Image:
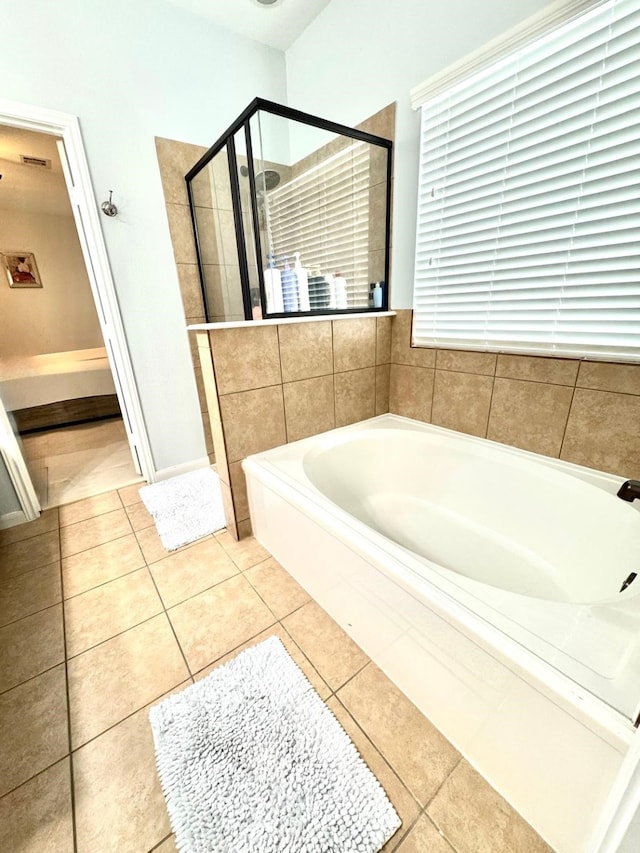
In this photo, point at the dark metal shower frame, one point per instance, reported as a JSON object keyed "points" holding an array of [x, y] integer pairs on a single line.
{"points": [[227, 138]]}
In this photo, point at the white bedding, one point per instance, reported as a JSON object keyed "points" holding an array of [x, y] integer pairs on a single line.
{"points": [[41, 379]]}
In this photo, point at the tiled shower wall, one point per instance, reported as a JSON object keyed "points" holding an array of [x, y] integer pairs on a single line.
{"points": [[269, 385], [586, 412]]}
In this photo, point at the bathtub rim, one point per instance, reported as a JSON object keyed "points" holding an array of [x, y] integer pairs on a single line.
{"points": [[587, 708]]}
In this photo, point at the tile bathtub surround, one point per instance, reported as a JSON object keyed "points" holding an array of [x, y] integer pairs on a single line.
{"points": [[581, 411], [136, 633], [269, 385]]}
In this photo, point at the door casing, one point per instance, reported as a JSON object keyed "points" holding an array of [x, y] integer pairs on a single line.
{"points": [[86, 216]]}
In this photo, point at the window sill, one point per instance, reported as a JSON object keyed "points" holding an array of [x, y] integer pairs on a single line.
{"points": [[251, 324]]}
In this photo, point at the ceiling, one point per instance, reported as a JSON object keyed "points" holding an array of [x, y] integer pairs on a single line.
{"points": [[31, 188], [277, 26]]}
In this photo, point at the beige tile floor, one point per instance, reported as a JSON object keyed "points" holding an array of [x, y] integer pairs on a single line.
{"points": [[71, 463], [98, 621]]}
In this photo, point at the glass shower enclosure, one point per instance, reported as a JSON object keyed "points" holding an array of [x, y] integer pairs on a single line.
{"points": [[291, 217]]}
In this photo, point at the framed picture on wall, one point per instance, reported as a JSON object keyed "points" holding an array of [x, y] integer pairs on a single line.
{"points": [[20, 269]]}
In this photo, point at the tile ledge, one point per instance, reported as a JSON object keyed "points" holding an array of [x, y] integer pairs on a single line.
{"points": [[250, 324]]}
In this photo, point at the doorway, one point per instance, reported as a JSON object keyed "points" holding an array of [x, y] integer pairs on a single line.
{"points": [[103, 444]]}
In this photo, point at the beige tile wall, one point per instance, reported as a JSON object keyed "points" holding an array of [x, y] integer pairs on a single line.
{"points": [[269, 385], [382, 124], [175, 159], [584, 412]]}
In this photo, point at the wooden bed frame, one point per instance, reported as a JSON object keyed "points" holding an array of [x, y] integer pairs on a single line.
{"points": [[66, 413], [58, 389]]}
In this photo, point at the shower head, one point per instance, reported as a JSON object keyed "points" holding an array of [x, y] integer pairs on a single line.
{"points": [[267, 180]]}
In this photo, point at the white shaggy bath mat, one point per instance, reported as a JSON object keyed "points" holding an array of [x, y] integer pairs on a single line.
{"points": [[185, 508], [251, 760]]}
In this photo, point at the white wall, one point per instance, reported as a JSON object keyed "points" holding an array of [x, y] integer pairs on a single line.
{"points": [[357, 57], [59, 316], [131, 71]]}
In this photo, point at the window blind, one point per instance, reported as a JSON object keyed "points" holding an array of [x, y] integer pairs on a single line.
{"points": [[324, 214], [529, 197]]}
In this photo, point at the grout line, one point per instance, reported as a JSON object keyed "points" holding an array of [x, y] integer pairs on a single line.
{"points": [[173, 630], [184, 657], [407, 830], [28, 537], [95, 514], [437, 791], [279, 345], [284, 417], [68, 697], [128, 716], [234, 649], [32, 677], [533, 381], [92, 547], [118, 634], [102, 583], [160, 843], [6, 577], [279, 619], [432, 370], [33, 613], [566, 422], [375, 374], [284, 402], [351, 677], [380, 753], [493, 385], [119, 509], [333, 374], [305, 656], [35, 775], [166, 553]]}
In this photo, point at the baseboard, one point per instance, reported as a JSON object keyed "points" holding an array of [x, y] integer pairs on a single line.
{"points": [[11, 519], [176, 470]]}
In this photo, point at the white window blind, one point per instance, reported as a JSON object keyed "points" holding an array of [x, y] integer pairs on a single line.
{"points": [[529, 198], [324, 214]]}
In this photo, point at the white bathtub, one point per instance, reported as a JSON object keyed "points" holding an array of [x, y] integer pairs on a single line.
{"points": [[485, 581]]}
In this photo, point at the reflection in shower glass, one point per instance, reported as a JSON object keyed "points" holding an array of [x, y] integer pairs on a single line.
{"points": [[318, 235], [311, 214], [217, 246]]}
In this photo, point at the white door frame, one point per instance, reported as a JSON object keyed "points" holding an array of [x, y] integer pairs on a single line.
{"points": [[85, 211], [18, 474]]}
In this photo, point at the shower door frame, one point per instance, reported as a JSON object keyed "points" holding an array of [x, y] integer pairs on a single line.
{"points": [[242, 123]]}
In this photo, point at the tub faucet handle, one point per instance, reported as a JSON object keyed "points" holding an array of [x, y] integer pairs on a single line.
{"points": [[630, 490]]}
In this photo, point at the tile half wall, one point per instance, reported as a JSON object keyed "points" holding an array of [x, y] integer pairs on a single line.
{"points": [[585, 412], [270, 385]]}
